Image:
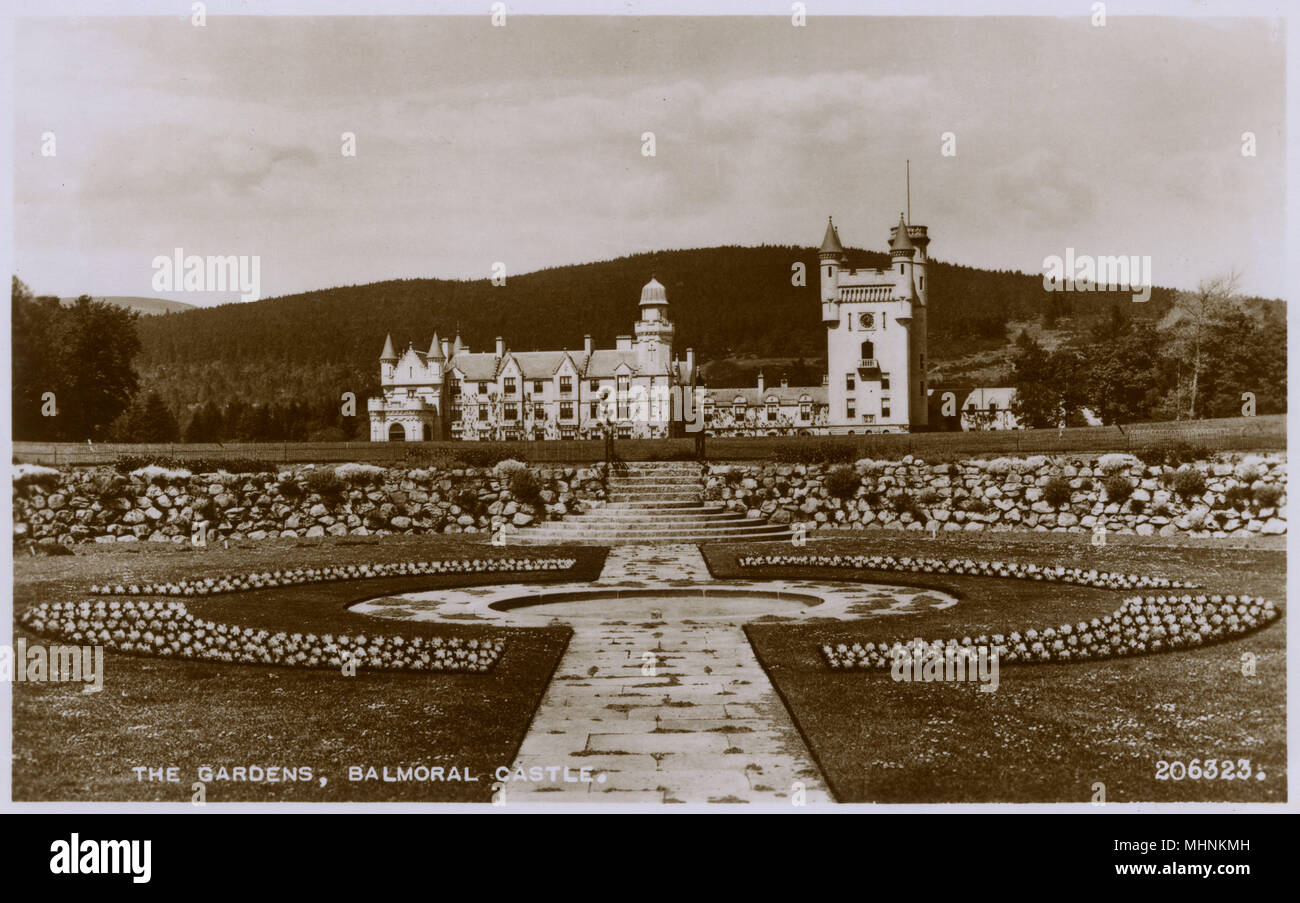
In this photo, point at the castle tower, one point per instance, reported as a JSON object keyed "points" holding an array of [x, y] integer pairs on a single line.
{"points": [[831, 256], [654, 331], [907, 251], [876, 335]]}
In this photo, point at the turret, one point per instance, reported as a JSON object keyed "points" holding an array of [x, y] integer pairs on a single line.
{"points": [[830, 257], [387, 360], [654, 331]]}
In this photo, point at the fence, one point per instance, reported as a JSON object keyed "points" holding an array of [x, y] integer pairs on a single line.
{"points": [[1264, 433]]}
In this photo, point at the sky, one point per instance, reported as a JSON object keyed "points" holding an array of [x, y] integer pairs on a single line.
{"points": [[523, 144]]}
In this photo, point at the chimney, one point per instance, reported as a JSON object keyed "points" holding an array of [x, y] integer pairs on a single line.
{"points": [[446, 349], [586, 345], [760, 382], [785, 382], [623, 343], [501, 347], [690, 364]]}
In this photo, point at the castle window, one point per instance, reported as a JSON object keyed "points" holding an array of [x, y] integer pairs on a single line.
{"points": [[482, 412], [771, 412], [539, 388], [510, 385], [624, 383], [512, 411], [539, 412], [884, 407], [884, 381], [566, 410], [482, 388], [455, 388], [566, 385], [595, 410], [593, 385], [850, 410], [805, 409], [849, 382]]}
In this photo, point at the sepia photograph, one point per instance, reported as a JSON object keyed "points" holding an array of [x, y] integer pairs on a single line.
{"points": [[604, 408]]}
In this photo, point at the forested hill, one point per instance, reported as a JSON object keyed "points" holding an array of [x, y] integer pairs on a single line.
{"points": [[727, 302]]}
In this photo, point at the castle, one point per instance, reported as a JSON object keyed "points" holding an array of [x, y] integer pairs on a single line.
{"points": [[451, 392], [875, 382]]}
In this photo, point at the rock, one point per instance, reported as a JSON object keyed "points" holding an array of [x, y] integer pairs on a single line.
{"points": [[400, 523], [521, 519], [1274, 526], [316, 530]]}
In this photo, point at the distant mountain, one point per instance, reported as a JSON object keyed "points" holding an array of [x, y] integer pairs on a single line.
{"points": [[148, 307], [736, 306]]}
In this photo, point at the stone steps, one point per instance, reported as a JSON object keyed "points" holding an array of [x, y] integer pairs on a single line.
{"points": [[656, 503]]}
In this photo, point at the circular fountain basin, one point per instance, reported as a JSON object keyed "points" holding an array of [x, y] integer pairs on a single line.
{"points": [[660, 605], [737, 602]]}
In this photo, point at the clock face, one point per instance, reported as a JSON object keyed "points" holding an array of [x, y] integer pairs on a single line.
{"points": [[867, 321]]}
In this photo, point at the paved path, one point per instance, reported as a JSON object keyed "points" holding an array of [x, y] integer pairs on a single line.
{"points": [[706, 727], [662, 699]]}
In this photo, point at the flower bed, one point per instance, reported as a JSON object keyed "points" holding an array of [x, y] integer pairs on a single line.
{"points": [[167, 629], [1009, 569], [1142, 625], [234, 583]]}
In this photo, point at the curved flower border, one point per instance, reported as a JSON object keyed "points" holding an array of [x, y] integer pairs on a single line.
{"points": [[1140, 626], [235, 583], [1010, 569], [168, 630]]}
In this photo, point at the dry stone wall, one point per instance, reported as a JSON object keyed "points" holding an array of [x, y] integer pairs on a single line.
{"points": [[160, 505], [1230, 496]]}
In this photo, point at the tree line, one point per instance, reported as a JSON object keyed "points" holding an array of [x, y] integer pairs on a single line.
{"points": [[1212, 354]]}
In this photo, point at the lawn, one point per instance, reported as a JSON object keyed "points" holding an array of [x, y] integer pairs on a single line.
{"points": [[153, 712], [1050, 733]]}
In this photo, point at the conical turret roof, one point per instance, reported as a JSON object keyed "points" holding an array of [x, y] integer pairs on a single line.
{"points": [[901, 240], [435, 349], [388, 353], [831, 243]]}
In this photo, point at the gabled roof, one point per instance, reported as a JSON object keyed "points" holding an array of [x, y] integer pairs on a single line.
{"points": [[785, 395], [607, 362], [831, 243], [477, 367], [540, 364]]}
